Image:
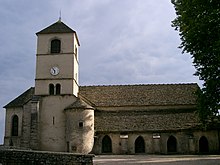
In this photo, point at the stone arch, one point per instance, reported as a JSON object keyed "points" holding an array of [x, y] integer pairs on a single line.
{"points": [[203, 145], [171, 144], [139, 145], [14, 125], [106, 144]]}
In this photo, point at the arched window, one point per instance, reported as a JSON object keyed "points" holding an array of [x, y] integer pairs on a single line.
{"points": [[203, 145], [14, 128], [139, 145], [58, 88], [106, 144], [55, 46], [51, 89], [171, 144]]}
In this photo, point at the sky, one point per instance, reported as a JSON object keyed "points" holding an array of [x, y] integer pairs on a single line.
{"points": [[122, 42]]}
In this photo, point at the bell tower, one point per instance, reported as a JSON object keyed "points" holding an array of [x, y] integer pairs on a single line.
{"points": [[57, 61]]}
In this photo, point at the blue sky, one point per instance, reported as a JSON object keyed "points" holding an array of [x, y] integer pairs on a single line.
{"points": [[122, 42]]}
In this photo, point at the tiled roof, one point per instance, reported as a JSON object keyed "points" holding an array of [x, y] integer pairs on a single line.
{"points": [[79, 104], [164, 120], [57, 27], [139, 95], [22, 99], [126, 95]]}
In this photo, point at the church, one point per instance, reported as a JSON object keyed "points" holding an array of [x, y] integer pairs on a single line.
{"points": [[60, 115]]}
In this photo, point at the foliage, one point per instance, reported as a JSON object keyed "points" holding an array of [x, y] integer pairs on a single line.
{"points": [[198, 23]]}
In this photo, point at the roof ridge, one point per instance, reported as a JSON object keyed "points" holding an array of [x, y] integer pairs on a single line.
{"points": [[153, 84]]}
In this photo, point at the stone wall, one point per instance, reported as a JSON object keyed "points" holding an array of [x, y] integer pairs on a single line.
{"points": [[19, 157], [187, 142]]}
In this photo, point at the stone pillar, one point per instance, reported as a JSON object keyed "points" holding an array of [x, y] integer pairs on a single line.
{"points": [[156, 143], [26, 121], [124, 144], [34, 123], [191, 145]]}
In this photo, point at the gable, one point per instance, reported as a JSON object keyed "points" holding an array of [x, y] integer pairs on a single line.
{"points": [[22, 99]]}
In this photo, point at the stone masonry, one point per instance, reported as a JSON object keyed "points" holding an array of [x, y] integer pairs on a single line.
{"points": [[20, 157]]}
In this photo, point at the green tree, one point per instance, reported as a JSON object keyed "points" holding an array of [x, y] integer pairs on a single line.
{"points": [[198, 23]]}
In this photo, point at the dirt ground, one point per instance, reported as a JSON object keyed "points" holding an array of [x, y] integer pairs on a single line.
{"points": [[157, 159]]}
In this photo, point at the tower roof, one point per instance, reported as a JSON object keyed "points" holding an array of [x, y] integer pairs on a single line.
{"points": [[57, 27]]}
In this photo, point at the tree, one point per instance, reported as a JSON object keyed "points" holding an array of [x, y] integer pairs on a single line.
{"points": [[198, 23]]}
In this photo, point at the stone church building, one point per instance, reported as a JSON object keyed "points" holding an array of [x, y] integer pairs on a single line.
{"points": [[59, 115]]}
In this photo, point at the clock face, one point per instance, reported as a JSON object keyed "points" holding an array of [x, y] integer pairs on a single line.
{"points": [[54, 71]]}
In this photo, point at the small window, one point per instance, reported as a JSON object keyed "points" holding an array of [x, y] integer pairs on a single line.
{"points": [[55, 46], [51, 89], [53, 120], [81, 124], [76, 51], [14, 131], [58, 88]]}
